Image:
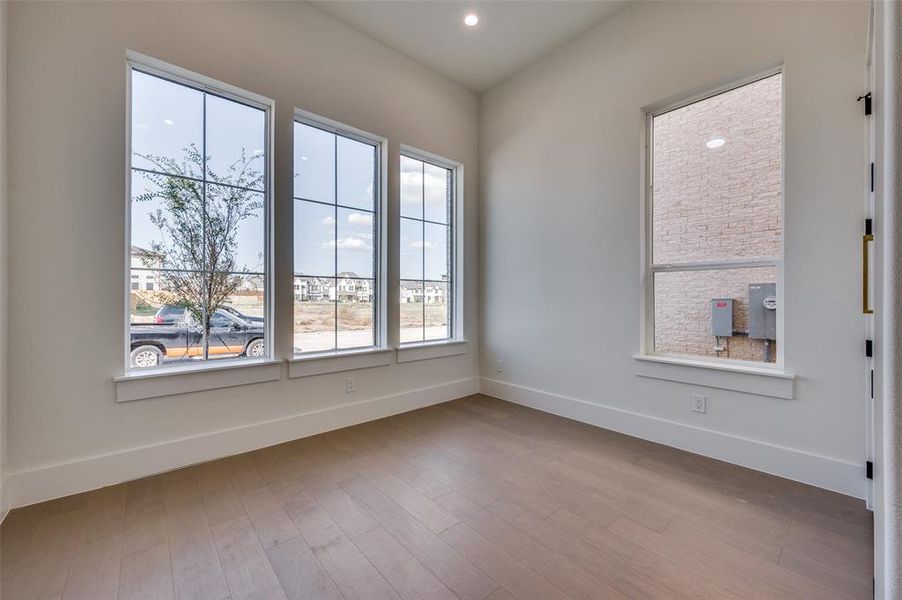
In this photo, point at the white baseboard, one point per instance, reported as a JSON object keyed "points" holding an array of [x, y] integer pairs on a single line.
{"points": [[821, 471], [46, 483]]}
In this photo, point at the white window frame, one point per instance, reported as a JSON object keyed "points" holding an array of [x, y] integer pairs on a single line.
{"points": [[455, 343], [330, 361], [128, 384], [662, 365]]}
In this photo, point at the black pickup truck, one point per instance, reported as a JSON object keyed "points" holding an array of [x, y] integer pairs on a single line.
{"points": [[176, 335]]}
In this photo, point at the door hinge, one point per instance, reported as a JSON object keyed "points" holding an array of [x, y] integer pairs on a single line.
{"points": [[869, 348], [867, 103], [869, 468], [866, 240]]}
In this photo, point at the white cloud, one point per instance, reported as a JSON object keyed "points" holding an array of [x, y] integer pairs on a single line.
{"points": [[433, 180], [436, 180], [411, 179], [328, 221], [348, 243], [360, 219]]}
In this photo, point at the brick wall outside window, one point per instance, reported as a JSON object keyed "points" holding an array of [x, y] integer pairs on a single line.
{"points": [[720, 204]]}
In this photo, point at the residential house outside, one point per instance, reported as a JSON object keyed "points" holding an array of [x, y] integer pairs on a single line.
{"points": [[347, 288], [143, 264]]}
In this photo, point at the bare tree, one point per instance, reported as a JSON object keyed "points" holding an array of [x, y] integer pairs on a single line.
{"points": [[198, 223]]}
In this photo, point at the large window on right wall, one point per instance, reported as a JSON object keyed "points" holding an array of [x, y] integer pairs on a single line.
{"points": [[715, 225], [427, 249]]}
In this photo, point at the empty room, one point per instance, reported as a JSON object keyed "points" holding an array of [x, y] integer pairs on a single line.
{"points": [[450, 299]]}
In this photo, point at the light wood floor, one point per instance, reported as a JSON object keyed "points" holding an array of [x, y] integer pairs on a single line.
{"points": [[472, 499]]}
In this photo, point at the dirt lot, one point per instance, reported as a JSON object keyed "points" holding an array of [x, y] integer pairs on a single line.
{"points": [[314, 324], [320, 316]]}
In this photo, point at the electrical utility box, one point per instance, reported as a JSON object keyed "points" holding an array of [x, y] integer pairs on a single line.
{"points": [[722, 317], [762, 311]]}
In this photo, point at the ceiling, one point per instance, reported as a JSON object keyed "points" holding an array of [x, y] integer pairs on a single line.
{"points": [[510, 35]]}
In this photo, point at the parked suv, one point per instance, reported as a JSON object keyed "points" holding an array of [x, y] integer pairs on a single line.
{"points": [[176, 335]]}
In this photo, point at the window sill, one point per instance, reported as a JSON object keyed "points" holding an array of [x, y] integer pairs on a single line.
{"points": [[334, 362], [762, 381], [183, 380], [428, 350]]}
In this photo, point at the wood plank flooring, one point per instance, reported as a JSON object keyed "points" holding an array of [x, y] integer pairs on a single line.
{"points": [[466, 500]]}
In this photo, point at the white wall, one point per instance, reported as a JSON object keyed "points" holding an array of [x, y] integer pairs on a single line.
{"points": [[3, 256], [67, 125], [560, 191]]}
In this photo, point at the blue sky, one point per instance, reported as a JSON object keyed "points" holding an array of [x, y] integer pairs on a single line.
{"points": [[424, 195], [168, 117], [325, 234]]}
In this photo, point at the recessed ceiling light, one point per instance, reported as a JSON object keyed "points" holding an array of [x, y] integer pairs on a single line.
{"points": [[715, 143], [471, 20]]}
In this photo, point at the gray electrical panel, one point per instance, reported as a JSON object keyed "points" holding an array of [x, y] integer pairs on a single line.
{"points": [[762, 311], [722, 317]]}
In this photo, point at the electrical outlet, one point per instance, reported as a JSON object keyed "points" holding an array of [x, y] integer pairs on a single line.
{"points": [[699, 403], [499, 366], [349, 385]]}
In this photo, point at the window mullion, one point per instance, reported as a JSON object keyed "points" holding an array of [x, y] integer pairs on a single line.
{"points": [[199, 180], [335, 255], [713, 266], [452, 254], [377, 251], [206, 291], [423, 226]]}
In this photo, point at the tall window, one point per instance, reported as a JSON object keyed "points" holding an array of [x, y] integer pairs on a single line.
{"points": [[198, 214], [715, 224], [427, 250], [337, 261]]}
